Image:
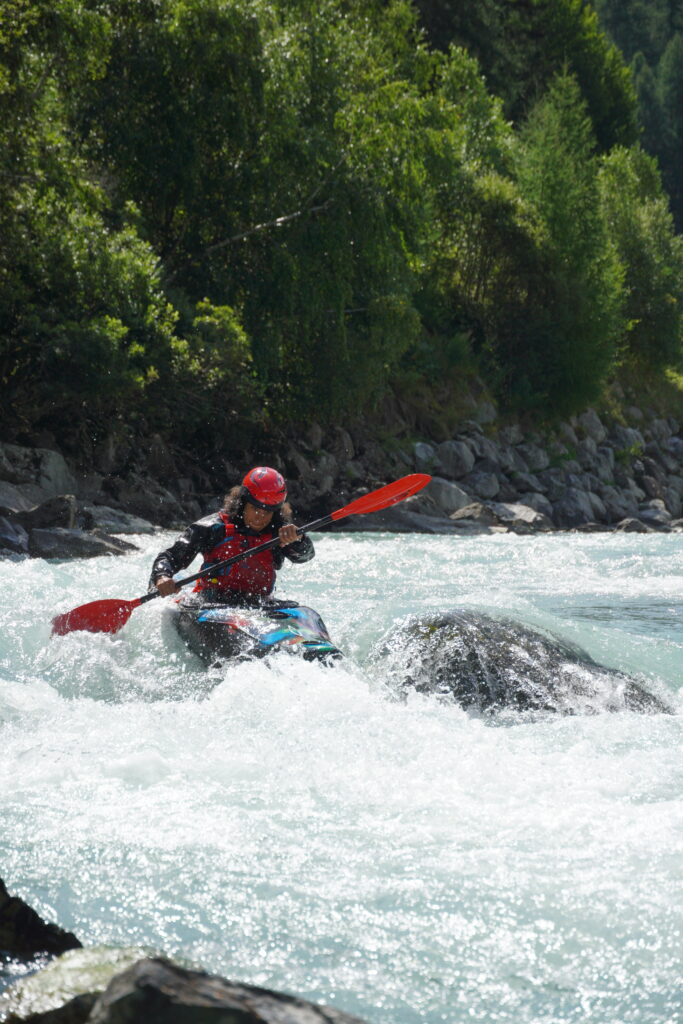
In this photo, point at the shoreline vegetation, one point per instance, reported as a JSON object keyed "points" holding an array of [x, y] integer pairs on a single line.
{"points": [[222, 222]]}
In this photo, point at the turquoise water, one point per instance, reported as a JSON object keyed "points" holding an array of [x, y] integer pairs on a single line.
{"points": [[290, 825]]}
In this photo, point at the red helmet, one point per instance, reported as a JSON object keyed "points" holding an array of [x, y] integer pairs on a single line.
{"points": [[265, 487]]}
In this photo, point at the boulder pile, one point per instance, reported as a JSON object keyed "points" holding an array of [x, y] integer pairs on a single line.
{"points": [[587, 474]]}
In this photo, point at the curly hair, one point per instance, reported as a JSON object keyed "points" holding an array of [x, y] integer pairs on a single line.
{"points": [[238, 496]]}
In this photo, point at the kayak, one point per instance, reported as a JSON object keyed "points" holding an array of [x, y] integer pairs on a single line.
{"points": [[219, 632]]}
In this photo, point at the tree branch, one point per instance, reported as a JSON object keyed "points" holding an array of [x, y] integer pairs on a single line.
{"points": [[277, 223]]}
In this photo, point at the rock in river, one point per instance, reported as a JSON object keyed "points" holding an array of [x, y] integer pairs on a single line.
{"points": [[490, 664]]}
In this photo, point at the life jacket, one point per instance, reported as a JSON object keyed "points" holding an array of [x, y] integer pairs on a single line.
{"points": [[254, 575]]}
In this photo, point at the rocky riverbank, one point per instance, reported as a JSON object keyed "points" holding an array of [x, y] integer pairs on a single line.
{"points": [[588, 473]]}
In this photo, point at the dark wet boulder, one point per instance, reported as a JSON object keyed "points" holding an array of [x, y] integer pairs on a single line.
{"points": [[24, 934], [13, 536], [57, 511], [59, 542], [111, 520], [490, 664], [158, 991]]}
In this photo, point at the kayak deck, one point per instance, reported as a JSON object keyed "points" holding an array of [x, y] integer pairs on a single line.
{"points": [[219, 632]]}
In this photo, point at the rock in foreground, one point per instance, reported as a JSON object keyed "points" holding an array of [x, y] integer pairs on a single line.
{"points": [[24, 934], [157, 991]]}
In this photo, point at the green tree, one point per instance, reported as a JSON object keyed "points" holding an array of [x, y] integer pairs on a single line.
{"points": [[576, 321], [670, 88], [642, 229], [523, 44]]}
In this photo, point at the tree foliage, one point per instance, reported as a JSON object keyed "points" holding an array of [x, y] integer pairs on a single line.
{"points": [[222, 216]]}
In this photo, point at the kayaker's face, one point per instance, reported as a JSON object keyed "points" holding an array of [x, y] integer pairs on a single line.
{"points": [[256, 518]]}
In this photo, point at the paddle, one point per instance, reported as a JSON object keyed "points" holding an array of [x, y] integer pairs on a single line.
{"points": [[110, 615]]}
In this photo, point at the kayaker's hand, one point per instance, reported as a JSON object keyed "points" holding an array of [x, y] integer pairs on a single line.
{"points": [[165, 585], [288, 535]]}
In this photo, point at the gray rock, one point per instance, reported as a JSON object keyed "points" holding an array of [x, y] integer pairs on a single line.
{"points": [[447, 496], [653, 469], [672, 500], [660, 430], [13, 537], [425, 457], [627, 439], [65, 989], [573, 508], [521, 518], [599, 510], [653, 488], [111, 520], [146, 498], [484, 485], [586, 452], [454, 459], [568, 434], [655, 513], [61, 543], [591, 424], [507, 490], [618, 504], [155, 990], [537, 501], [675, 483], [57, 511], [509, 460], [482, 448], [489, 664], [659, 454], [634, 413], [19, 497], [41, 467], [675, 447], [519, 464], [477, 512], [603, 467], [528, 482], [342, 446], [553, 484], [630, 525]]}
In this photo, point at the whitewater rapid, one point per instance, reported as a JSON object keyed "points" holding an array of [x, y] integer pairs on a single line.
{"points": [[293, 826]]}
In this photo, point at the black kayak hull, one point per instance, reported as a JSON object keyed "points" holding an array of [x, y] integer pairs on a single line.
{"points": [[218, 633]]}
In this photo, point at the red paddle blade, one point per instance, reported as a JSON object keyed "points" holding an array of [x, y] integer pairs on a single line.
{"points": [[383, 497], [97, 617]]}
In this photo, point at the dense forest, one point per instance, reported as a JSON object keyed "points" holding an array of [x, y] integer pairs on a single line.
{"points": [[229, 216]]}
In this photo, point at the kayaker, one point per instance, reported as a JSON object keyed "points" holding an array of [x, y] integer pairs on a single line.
{"points": [[253, 512]]}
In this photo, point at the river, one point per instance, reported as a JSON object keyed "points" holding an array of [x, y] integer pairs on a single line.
{"points": [[290, 825]]}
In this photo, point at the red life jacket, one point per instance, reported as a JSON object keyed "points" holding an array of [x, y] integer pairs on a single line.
{"points": [[254, 575]]}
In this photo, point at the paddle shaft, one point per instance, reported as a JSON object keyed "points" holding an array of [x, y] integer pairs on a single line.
{"points": [[225, 562]]}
